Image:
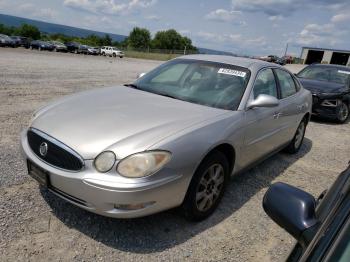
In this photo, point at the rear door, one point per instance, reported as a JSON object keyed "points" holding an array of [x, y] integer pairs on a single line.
{"points": [[291, 104]]}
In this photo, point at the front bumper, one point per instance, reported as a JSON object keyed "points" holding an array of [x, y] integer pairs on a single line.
{"points": [[325, 106], [110, 195]]}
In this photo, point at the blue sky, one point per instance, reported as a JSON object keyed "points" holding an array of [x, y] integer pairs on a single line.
{"points": [[253, 27]]}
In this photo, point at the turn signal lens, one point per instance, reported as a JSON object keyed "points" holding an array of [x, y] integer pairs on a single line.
{"points": [[104, 161]]}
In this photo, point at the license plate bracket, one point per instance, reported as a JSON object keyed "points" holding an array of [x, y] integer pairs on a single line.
{"points": [[38, 174]]}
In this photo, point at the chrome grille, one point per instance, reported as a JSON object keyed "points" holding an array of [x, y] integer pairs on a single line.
{"points": [[53, 151]]}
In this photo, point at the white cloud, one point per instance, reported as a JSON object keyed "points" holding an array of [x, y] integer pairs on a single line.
{"points": [[283, 7], [342, 17], [222, 15], [275, 18], [109, 7], [40, 13], [213, 37], [153, 17], [320, 35]]}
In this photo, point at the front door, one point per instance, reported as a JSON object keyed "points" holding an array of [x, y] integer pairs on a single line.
{"points": [[262, 131]]}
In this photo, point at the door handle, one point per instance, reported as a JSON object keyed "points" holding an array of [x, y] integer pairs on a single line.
{"points": [[301, 107], [277, 115]]}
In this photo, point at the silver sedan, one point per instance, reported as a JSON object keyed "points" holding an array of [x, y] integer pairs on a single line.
{"points": [[172, 138]]}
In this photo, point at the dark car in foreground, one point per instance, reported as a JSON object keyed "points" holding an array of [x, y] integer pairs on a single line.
{"points": [[321, 227], [41, 45], [330, 88]]}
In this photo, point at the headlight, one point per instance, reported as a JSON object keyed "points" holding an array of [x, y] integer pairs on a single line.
{"points": [[143, 164], [105, 161]]}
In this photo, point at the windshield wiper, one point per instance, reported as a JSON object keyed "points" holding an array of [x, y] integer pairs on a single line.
{"points": [[167, 95], [132, 86]]}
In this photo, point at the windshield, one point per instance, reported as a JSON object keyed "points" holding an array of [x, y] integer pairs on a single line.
{"points": [[201, 82], [325, 74]]}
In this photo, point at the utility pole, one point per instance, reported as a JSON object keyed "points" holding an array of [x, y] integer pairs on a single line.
{"points": [[185, 50], [285, 51]]}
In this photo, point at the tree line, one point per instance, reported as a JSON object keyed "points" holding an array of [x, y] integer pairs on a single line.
{"points": [[139, 38], [169, 39]]}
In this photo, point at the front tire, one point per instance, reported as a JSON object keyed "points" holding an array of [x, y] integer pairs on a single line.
{"points": [[298, 138], [207, 187], [342, 112]]}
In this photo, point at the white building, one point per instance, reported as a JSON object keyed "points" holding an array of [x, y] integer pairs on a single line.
{"points": [[323, 55]]}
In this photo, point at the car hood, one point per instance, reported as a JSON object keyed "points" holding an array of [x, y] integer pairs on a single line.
{"points": [[318, 87], [121, 119]]}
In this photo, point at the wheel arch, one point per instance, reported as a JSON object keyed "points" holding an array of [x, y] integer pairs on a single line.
{"points": [[225, 148], [307, 117]]}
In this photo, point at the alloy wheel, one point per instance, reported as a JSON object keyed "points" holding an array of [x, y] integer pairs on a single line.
{"points": [[210, 187], [343, 112]]}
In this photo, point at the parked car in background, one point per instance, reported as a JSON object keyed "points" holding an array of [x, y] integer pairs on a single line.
{"points": [[288, 59], [83, 49], [5, 40], [17, 40], [269, 58], [321, 227], [280, 61], [93, 50], [41, 45], [58, 46], [72, 47], [198, 120], [330, 88], [111, 51]]}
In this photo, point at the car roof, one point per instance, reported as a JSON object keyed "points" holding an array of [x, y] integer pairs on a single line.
{"points": [[331, 66], [232, 60]]}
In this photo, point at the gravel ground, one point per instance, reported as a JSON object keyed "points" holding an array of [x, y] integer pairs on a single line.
{"points": [[36, 226]]}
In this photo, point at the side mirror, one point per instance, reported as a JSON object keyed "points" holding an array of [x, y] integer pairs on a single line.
{"points": [[264, 101], [140, 75], [292, 209]]}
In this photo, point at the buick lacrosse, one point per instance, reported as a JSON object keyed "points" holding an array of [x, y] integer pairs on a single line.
{"points": [[172, 138]]}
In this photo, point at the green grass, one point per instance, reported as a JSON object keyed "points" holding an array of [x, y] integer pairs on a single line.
{"points": [[150, 56]]}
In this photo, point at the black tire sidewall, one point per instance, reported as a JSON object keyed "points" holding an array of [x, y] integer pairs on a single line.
{"points": [[291, 147], [343, 121], [189, 205]]}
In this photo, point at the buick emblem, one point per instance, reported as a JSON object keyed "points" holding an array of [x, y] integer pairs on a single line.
{"points": [[43, 149]]}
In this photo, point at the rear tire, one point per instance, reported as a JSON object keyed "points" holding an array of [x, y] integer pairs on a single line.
{"points": [[298, 138], [342, 112], [114, 55], [207, 187]]}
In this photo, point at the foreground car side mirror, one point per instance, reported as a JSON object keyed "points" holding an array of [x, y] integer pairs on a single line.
{"points": [[292, 209], [263, 101], [140, 75]]}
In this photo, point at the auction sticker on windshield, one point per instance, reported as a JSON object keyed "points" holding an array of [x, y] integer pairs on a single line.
{"points": [[227, 71]]}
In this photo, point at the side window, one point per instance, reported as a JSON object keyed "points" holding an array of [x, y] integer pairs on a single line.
{"points": [[265, 84], [286, 82]]}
